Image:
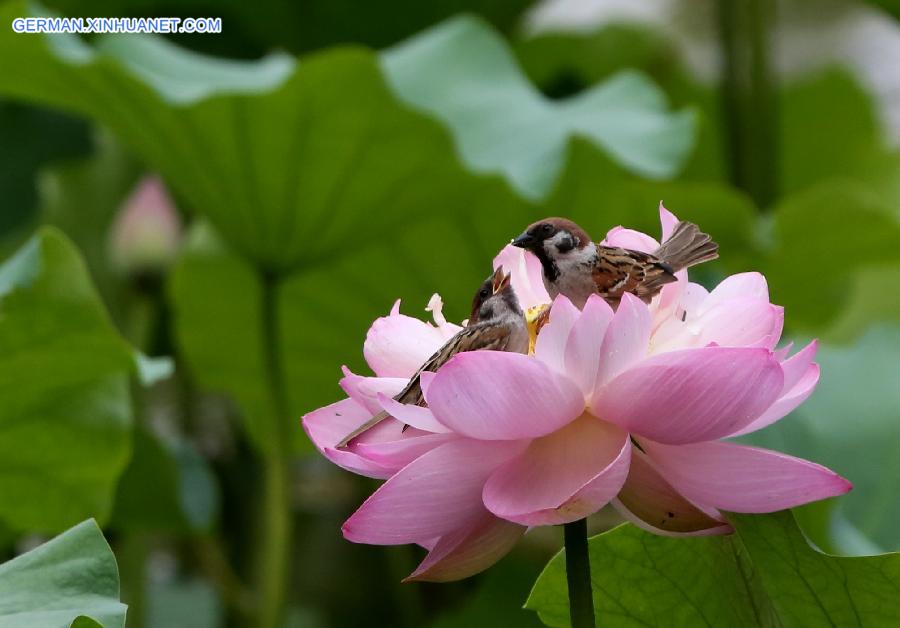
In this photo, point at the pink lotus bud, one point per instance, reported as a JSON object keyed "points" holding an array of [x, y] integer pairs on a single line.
{"points": [[146, 233]]}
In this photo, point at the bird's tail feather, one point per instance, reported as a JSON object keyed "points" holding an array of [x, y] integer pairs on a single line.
{"points": [[686, 247], [365, 427]]}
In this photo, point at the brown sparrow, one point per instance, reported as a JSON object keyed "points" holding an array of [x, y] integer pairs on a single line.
{"points": [[576, 267], [496, 323]]}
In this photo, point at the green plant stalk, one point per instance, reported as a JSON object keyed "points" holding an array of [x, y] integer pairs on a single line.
{"points": [[578, 575], [749, 99], [276, 528]]}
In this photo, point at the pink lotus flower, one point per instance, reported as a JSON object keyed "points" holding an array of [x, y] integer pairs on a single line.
{"points": [[625, 407]]}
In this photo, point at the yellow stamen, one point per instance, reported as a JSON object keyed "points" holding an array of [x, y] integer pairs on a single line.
{"points": [[536, 317]]}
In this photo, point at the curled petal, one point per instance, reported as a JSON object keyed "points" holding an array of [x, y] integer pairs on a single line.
{"points": [[738, 478], [397, 345], [550, 347], [584, 345], [492, 395], [651, 503], [436, 494], [416, 416], [468, 551], [626, 339], [365, 390], [691, 395], [327, 426], [526, 276], [562, 477]]}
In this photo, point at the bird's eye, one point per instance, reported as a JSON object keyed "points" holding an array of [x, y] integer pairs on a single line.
{"points": [[547, 228], [484, 293]]}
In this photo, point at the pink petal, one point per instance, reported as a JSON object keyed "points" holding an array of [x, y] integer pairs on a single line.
{"points": [[691, 395], [397, 345], [801, 375], [583, 347], [436, 494], [550, 347], [562, 477], [668, 220], [738, 478], [630, 239], [525, 275], [626, 340], [502, 396], [651, 503], [326, 426], [787, 403], [396, 454], [740, 322], [364, 390], [416, 416], [797, 366], [468, 551], [741, 285]]}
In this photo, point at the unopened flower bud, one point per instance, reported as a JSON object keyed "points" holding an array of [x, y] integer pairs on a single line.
{"points": [[147, 231]]}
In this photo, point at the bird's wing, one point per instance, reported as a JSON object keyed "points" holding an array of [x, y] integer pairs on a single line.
{"points": [[472, 338], [619, 270]]}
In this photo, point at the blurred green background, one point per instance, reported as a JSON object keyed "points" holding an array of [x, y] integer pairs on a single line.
{"points": [[353, 153]]}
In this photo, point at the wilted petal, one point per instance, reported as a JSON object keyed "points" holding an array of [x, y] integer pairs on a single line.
{"points": [[738, 478], [562, 477], [651, 503], [550, 347], [416, 416], [583, 348], [397, 345], [525, 275], [626, 340], [502, 396], [327, 426], [691, 395], [436, 494], [469, 550]]}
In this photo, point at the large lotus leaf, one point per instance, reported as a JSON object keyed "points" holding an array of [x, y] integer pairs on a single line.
{"points": [[290, 161], [64, 402], [463, 72], [766, 574], [821, 238], [71, 580], [324, 311]]}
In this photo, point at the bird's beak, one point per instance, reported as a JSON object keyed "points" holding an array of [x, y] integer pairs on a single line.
{"points": [[524, 241]]}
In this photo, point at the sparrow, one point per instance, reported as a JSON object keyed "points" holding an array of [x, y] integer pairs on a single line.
{"points": [[496, 323], [576, 267]]}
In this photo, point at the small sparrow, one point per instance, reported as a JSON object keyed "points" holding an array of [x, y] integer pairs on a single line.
{"points": [[496, 323], [576, 267]]}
